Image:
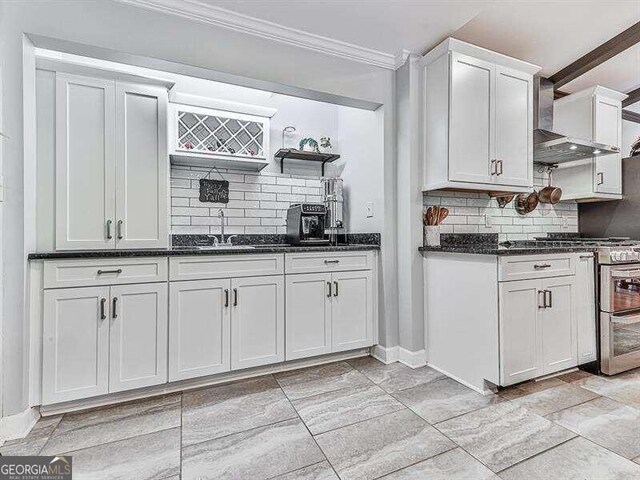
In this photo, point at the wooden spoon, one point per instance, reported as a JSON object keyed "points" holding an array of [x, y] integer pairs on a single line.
{"points": [[428, 217], [442, 215]]}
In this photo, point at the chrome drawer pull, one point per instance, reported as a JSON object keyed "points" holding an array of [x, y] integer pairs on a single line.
{"points": [[102, 272], [540, 267], [327, 262], [550, 304], [329, 285], [544, 299], [109, 236], [103, 314]]}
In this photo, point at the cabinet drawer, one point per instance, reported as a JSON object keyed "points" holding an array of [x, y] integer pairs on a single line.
{"points": [[89, 272], [524, 267], [224, 266], [328, 261]]}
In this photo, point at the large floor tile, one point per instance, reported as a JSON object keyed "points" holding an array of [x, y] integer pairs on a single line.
{"points": [[231, 408], [527, 388], [381, 445], [347, 406], [443, 399], [503, 434], [34, 441], [554, 399], [577, 459], [394, 376], [608, 423], [452, 465], [257, 454], [153, 456], [623, 388], [86, 429], [319, 471], [322, 379], [575, 376]]}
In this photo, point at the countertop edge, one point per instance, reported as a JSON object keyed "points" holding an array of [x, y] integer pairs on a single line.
{"points": [[79, 254], [501, 251]]}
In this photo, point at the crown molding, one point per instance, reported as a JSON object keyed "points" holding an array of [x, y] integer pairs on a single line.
{"points": [[221, 17]]}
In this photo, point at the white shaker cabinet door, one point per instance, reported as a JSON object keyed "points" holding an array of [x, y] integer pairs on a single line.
{"points": [[558, 325], [141, 185], [199, 328], [608, 130], [520, 343], [85, 163], [514, 128], [308, 315], [471, 138], [584, 305], [257, 321], [138, 346], [352, 310], [75, 344]]}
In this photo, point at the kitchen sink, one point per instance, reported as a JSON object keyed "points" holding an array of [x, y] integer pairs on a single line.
{"points": [[215, 247]]}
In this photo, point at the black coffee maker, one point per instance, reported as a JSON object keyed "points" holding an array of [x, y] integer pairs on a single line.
{"points": [[305, 224]]}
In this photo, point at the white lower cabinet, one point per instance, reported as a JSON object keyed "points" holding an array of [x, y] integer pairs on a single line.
{"points": [[138, 336], [538, 328], [75, 344], [199, 328], [308, 330], [100, 340], [585, 307], [257, 321], [329, 312]]}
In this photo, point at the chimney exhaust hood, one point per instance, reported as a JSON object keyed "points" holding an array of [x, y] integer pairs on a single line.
{"points": [[554, 148]]}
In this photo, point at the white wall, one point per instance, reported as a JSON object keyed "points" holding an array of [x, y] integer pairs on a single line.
{"points": [[124, 28], [630, 133]]}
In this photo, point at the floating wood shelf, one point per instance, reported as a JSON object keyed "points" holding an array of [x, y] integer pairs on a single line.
{"points": [[292, 153]]}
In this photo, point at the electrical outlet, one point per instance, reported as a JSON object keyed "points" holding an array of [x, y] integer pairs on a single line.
{"points": [[488, 221], [565, 222], [369, 209]]}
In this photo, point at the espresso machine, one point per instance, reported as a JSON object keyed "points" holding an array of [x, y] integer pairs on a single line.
{"points": [[306, 224], [332, 199]]}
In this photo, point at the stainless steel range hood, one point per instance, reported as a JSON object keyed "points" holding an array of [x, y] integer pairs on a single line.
{"points": [[551, 147]]}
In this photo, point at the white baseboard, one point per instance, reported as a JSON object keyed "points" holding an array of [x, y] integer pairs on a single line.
{"points": [[384, 354], [18, 425], [412, 359]]}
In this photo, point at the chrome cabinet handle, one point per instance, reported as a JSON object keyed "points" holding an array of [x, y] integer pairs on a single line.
{"points": [[336, 292], [494, 167], [600, 178], [119, 229], [544, 305], [102, 272], [550, 303], [540, 267], [103, 314], [327, 262], [114, 306], [109, 236], [329, 285], [235, 297], [586, 256], [500, 164], [226, 297]]}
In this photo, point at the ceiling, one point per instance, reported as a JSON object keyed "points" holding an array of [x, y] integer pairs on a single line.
{"points": [[548, 33]]}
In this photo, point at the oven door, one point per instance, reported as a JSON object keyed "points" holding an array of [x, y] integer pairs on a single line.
{"points": [[620, 289], [620, 342]]}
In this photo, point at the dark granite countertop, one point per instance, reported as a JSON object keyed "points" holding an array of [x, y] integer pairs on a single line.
{"points": [[190, 250], [487, 244]]}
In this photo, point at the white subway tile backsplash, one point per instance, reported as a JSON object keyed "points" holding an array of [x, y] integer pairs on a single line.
{"points": [[258, 202]]}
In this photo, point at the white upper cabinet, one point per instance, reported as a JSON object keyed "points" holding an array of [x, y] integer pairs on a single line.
{"points": [[595, 114], [477, 119], [141, 166], [111, 164], [85, 162]]}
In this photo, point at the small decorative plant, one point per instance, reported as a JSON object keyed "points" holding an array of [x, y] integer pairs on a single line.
{"points": [[309, 145], [325, 144]]}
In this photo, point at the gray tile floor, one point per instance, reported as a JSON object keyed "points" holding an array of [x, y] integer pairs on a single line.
{"points": [[358, 420]]}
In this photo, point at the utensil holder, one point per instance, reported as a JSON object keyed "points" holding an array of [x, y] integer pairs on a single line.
{"points": [[432, 235]]}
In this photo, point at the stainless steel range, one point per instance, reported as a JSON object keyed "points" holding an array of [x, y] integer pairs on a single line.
{"points": [[619, 273]]}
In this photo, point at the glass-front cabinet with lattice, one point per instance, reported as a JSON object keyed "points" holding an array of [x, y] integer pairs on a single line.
{"points": [[207, 137]]}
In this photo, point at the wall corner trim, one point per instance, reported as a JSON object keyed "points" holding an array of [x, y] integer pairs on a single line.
{"points": [[412, 359], [18, 425], [386, 355]]}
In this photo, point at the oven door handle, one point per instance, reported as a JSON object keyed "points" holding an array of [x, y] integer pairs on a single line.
{"points": [[635, 273], [626, 319]]}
